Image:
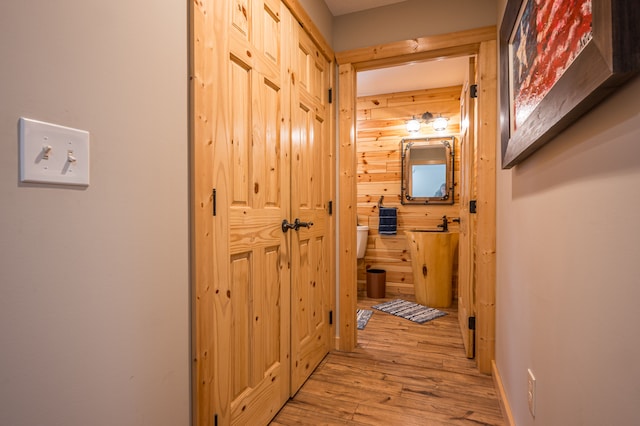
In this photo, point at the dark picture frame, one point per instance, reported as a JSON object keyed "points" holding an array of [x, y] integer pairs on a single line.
{"points": [[606, 61]]}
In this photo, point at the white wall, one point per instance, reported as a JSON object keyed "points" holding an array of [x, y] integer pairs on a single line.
{"points": [[94, 287], [321, 17], [410, 19], [567, 288]]}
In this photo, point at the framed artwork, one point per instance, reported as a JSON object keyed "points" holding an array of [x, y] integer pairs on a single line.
{"points": [[558, 59]]}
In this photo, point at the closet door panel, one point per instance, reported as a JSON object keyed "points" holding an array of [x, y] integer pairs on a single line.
{"points": [[251, 313], [310, 193]]}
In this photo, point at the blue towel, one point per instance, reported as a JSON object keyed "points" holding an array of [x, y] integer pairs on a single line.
{"points": [[388, 220]]}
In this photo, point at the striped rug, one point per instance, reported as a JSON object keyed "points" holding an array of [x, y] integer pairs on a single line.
{"points": [[409, 310], [363, 318]]}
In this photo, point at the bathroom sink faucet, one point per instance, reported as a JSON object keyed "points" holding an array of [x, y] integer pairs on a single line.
{"points": [[445, 224]]}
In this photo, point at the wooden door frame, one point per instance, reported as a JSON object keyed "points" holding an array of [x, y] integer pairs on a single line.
{"points": [[480, 42]]}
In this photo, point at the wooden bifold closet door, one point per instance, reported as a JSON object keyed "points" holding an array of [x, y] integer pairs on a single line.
{"points": [[260, 157]]}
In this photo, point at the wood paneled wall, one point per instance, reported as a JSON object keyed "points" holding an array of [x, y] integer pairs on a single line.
{"points": [[380, 128]]}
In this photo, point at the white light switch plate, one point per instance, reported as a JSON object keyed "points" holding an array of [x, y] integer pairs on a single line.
{"points": [[53, 154]]}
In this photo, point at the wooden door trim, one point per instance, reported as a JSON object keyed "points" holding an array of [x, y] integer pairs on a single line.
{"points": [[464, 43], [461, 43], [347, 209], [206, 19], [305, 21], [486, 205]]}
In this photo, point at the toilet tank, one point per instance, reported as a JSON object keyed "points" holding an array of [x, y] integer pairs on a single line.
{"points": [[361, 240]]}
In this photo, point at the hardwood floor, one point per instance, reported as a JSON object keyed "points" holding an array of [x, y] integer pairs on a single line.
{"points": [[401, 373]]}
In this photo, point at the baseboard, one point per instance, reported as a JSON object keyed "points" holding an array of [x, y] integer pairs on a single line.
{"points": [[502, 396]]}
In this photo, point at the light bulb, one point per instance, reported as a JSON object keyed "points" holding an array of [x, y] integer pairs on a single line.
{"points": [[440, 124], [413, 125]]}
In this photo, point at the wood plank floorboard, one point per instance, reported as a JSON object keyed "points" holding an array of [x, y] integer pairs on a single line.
{"points": [[401, 373]]}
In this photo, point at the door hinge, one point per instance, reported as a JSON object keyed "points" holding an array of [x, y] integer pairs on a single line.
{"points": [[331, 95], [472, 206], [213, 195], [473, 91], [330, 317], [472, 323], [330, 207]]}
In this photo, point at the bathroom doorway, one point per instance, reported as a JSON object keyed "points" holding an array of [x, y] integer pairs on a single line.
{"points": [[387, 100], [480, 45]]}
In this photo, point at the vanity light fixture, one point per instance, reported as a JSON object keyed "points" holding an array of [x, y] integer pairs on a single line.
{"points": [[439, 124]]}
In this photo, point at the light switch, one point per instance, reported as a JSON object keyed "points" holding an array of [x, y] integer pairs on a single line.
{"points": [[53, 154]]}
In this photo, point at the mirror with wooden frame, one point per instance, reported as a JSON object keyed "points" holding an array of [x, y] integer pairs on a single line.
{"points": [[427, 170]]}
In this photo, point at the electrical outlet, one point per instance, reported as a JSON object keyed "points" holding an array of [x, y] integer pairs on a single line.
{"points": [[531, 392]]}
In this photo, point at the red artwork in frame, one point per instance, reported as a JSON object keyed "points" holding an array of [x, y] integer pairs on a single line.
{"points": [[549, 35], [559, 58]]}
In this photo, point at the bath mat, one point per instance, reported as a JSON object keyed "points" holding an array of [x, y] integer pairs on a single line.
{"points": [[409, 310], [363, 317]]}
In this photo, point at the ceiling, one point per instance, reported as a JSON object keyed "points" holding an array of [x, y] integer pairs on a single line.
{"points": [[342, 7], [416, 76]]}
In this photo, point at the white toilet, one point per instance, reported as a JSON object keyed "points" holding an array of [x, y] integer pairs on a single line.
{"points": [[361, 240]]}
